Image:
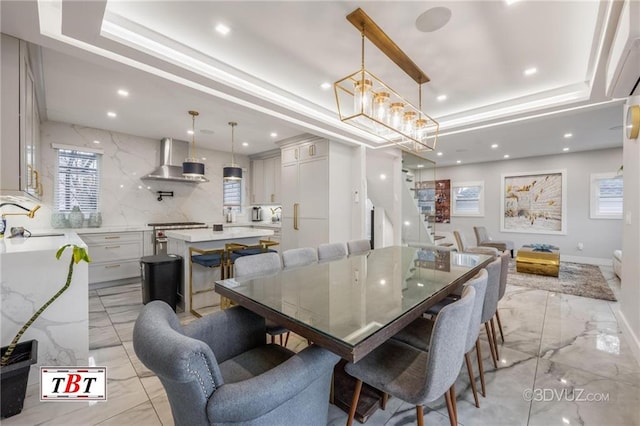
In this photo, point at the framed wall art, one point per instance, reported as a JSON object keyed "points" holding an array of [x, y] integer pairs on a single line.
{"points": [[534, 202]]}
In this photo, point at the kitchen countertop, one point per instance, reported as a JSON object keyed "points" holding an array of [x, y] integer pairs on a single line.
{"points": [[269, 224], [40, 241], [199, 235]]}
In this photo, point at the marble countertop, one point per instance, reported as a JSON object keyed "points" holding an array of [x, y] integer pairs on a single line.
{"points": [[200, 235], [40, 241], [275, 225]]}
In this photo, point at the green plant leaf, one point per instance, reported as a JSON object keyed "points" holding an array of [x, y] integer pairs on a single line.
{"points": [[60, 250]]}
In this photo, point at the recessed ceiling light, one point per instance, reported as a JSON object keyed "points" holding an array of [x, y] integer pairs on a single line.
{"points": [[204, 158], [189, 132], [442, 98], [112, 114], [274, 135], [530, 71], [458, 161], [565, 149], [123, 93], [494, 146], [510, 2], [420, 166], [568, 135], [96, 141], [223, 29], [245, 143], [439, 154], [325, 86], [383, 176], [505, 156]]}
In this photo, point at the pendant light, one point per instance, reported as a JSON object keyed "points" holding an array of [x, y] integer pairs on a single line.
{"points": [[192, 168], [232, 172]]}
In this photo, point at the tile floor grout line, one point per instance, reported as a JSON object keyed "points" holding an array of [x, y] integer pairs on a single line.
{"points": [[535, 372]]}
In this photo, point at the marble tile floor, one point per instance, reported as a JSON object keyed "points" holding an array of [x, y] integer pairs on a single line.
{"points": [[564, 362]]}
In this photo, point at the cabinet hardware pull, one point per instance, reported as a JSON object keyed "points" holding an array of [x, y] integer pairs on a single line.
{"points": [[295, 216], [272, 197], [111, 247], [112, 266], [113, 237], [295, 151], [36, 184], [40, 189]]}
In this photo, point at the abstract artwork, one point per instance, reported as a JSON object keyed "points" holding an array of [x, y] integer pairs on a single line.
{"points": [[534, 202]]}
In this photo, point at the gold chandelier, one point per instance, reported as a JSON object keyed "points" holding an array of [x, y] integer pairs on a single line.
{"points": [[366, 102]]}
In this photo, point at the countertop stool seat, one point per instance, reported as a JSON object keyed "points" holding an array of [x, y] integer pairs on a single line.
{"points": [[213, 258]]}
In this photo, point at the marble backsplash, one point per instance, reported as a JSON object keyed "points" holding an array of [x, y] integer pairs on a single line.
{"points": [[126, 200]]}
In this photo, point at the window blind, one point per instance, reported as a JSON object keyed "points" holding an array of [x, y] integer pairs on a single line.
{"points": [[232, 194], [77, 181], [610, 197]]}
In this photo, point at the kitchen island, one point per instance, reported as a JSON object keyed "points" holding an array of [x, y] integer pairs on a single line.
{"points": [[31, 274], [179, 242]]}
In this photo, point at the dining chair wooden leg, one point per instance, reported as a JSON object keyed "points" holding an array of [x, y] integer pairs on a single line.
{"points": [[354, 402], [500, 326], [490, 339], [420, 414], [447, 398], [481, 367], [385, 398], [472, 378], [495, 339], [286, 340], [454, 403], [273, 338], [280, 338]]}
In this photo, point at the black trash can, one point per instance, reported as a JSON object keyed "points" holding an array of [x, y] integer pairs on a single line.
{"points": [[161, 278]]}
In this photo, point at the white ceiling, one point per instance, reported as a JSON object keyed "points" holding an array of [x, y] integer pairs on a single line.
{"points": [[266, 73]]}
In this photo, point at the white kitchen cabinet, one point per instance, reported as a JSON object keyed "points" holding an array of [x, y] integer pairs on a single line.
{"points": [[315, 192], [115, 256], [265, 181], [20, 129]]}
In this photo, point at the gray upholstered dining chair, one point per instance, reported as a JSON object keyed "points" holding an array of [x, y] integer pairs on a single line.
{"points": [[217, 370], [358, 246], [416, 376], [418, 333], [490, 307], [260, 264], [484, 240], [464, 247], [504, 273], [299, 257], [331, 251]]}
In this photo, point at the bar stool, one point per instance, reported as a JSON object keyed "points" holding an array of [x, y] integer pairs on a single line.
{"points": [[213, 258]]}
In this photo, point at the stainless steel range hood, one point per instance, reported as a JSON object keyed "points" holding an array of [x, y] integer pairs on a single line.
{"points": [[172, 151]]}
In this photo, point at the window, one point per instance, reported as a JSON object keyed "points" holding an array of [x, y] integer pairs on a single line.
{"points": [[232, 194], [468, 198], [606, 196], [77, 180]]}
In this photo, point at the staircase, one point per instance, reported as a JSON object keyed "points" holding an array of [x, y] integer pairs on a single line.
{"points": [[416, 232]]}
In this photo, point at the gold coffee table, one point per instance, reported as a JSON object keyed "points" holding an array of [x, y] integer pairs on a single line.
{"points": [[533, 260]]}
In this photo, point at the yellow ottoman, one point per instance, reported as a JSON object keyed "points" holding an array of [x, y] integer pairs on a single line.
{"points": [[531, 261]]}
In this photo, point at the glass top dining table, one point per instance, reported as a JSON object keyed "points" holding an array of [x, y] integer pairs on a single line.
{"points": [[350, 306]]}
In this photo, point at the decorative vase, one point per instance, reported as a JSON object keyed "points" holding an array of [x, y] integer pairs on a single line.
{"points": [[76, 218], [59, 220], [14, 377], [95, 220]]}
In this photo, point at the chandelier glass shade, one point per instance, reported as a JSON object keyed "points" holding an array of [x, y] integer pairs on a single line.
{"points": [[366, 102], [191, 167], [233, 171]]}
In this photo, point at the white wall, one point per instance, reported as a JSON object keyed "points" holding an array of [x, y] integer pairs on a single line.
{"points": [[599, 236], [629, 314], [125, 199], [384, 185]]}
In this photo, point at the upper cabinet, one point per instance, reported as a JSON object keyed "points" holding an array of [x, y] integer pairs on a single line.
{"points": [[265, 181], [20, 130]]}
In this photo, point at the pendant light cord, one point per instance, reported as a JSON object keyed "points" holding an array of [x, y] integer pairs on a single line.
{"points": [[233, 124]]}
